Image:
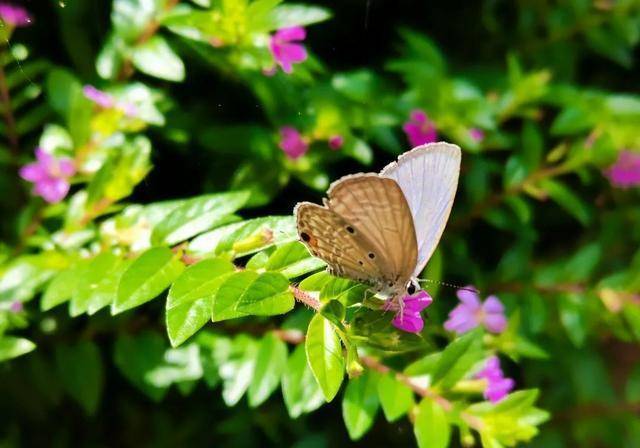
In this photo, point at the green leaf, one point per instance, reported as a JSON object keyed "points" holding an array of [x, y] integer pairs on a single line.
{"points": [[81, 371], [156, 58], [191, 297], [91, 275], [266, 296], [270, 365], [360, 404], [22, 279], [229, 293], [567, 199], [247, 237], [146, 278], [60, 289], [293, 260], [632, 388], [12, 347], [180, 366], [106, 290], [431, 427], [395, 397], [296, 15], [457, 358], [572, 316], [324, 353], [197, 215], [299, 388], [136, 356], [237, 370]]}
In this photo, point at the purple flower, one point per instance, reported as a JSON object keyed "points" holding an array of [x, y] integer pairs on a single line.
{"points": [[102, 99], [292, 143], [284, 49], [408, 317], [625, 172], [420, 129], [472, 312], [497, 385], [14, 16], [50, 176], [16, 306], [336, 142], [476, 134]]}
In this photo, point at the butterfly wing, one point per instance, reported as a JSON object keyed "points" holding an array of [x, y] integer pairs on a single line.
{"points": [[329, 237], [377, 209], [428, 177]]}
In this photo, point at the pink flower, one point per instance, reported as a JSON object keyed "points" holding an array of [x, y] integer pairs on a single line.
{"points": [[625, 172], [49, 175], [16, 307], [408, 317], [336, 142], [284, 49], [14, 16], [420, 129], [476, 134], [106, 101], [497, 385], [102, 99], [292, 143], [472, 312]]}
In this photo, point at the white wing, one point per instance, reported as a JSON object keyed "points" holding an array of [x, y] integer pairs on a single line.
{"points": [[428, 177]]}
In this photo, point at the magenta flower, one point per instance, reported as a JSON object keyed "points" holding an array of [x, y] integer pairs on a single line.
{"points": [[419, 129], [472, 312], [284, 48], [476, 134], [292, 143], [408, 317], [498, 386], [16, 307], [625, 172], [49, 175], [102, 99], [336, 142], [14, 16]]}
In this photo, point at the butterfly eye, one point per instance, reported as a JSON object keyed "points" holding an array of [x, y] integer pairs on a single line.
{"points": [[305, 237], [350, 229], [411, 288]]}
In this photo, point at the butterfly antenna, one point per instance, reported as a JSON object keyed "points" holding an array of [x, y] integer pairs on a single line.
{"points": [[449, 285]]}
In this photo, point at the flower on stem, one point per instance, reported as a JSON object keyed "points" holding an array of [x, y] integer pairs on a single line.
{"points": [[625, 172], [16, 307], [336, 141], [14, 16], [50, 175], [285, 49], [471, 312], [292, 143], [498, 386], [419, 129], [408, 317]]}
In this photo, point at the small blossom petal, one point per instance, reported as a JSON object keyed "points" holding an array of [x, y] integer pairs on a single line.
{"points": [[419, 129], [49, 175], [408, 317], [625, 172], [469, 296], [16, 307], [471, 312], [292, 143], [284, 49], [498, 386], [14, 15], [336, 142], [476, 134], [461, 319], [99, 97]]}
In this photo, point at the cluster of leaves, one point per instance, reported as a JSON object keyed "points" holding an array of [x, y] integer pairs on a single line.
{"points": [[534, 174]]}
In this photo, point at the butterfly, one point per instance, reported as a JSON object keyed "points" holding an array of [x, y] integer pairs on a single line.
{"points": [[381, 229]]}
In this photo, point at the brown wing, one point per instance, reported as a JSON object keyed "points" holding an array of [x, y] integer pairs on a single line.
{"points": [[377, 208], [331, 238]]}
